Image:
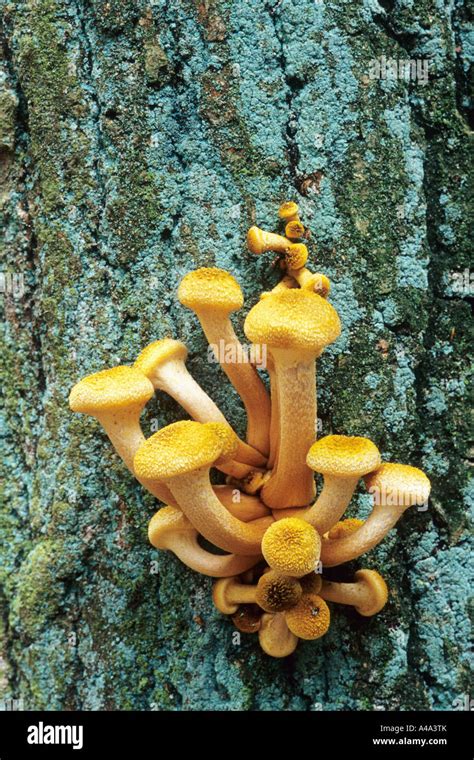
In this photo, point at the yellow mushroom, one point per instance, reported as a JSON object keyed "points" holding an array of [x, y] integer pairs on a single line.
{"points": [[368, 594], [229, 593], [294, 230], [288, 211], [343, 460], [395, 487], [246, 508], [307, 280], [170, 529], [344, 527], [116, 398], [274, 636], [163, 362], [310, 618], [180, 455], [276, 592], [259, 241], [213, 295], [311, 583], [248, 618], [291, 547], [296, 326], [230, 444], [296, 256]]}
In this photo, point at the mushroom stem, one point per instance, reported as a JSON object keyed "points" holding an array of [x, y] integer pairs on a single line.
{"points": [[182, 540], [177, 382], [353, 594], [306, 279], [331, 503], [163, 362], [259, 241], [125, 434], [275, 637], [275, 416], [380, 521], [244, 377], [368, 594], [236, 593], [247, 508], [195, 496], [292, 481]]}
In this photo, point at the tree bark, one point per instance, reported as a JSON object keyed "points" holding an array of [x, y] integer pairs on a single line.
{"points": [[140, 140]]}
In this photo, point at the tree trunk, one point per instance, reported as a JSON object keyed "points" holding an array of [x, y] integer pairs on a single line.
{"points": [[140, 140]]}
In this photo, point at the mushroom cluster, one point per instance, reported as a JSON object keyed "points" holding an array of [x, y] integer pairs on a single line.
{"points": [[274, 536]]}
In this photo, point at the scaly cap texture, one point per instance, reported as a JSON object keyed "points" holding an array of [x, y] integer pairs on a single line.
{"points": [[228, 440], [177, 449], [345, 528], [118, 388], [291, 546], [159, 352], [343, 455], [210, 288], [276, 592], [398, 485], [293, 319], [310, 618]]}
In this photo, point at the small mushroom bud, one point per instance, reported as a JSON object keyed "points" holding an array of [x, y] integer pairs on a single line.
{"points": [[307, 280], [294, 230], [296, 256], [276, 592], [259, 241], [288, 212], [368, 595]]}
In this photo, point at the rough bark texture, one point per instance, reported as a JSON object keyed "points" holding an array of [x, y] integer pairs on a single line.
{"points": [[141, 139]]}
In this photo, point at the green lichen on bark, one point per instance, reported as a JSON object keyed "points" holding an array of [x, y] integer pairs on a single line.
{"points": [[140, 140]]}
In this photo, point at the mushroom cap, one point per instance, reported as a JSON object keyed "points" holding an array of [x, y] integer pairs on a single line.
{"points": [[294, 229], [118, 388], [219, 595], [176, 450], [291, 546], [378, 591], [276, 592], [293, 319], [288, 210], [159, 352], [210, 288], [398, 485], [228, 439], [311, 583], [310, 618], [275, 637], [296, 256], [167, 520], [343, 456], [247, 618], [345, 528]]}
